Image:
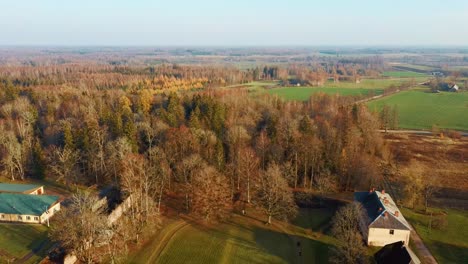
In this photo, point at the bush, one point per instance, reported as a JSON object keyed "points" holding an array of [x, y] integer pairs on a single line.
{"points": [[440, 222], [454, 134]]}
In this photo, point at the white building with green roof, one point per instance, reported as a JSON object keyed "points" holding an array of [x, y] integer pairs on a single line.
{"points": [[16, 206]]}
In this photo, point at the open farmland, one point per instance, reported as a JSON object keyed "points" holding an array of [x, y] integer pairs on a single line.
{"points": [[365, 88], [303, 93], [419, 109], [403, 74], [413, 67], [444, 157]]}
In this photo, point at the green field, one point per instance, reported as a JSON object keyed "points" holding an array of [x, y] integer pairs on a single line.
{"points": [[303, 93], [246, 239], [447, 246], [17, 240], [403, 74], [419, 109], [375, 86], [415, 67]]}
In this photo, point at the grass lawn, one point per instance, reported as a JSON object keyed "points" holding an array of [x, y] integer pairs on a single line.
{"points": [[403, 74], [246, 239], [418, 109], [17, 240], [447, 246]]}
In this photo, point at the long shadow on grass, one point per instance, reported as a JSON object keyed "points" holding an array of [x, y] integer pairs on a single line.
{"points": [[448, 253], [292, 248]]}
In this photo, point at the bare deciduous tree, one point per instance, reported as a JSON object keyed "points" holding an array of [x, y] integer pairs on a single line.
{"points": [[62, 162], [80, 227], [274, 195], [211, 196], [345, 227]]}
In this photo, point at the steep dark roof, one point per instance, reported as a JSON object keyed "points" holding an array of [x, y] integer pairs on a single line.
{"points": [[388, 222], [392, 254], [380, 215], [371, 202]]}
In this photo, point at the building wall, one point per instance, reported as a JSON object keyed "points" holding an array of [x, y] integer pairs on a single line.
{"points": [[52, 211], [38, 191], [381, 237], [29, 219]]}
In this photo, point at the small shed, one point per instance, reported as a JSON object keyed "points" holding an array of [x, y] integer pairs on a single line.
{"points": [[454, 88]]}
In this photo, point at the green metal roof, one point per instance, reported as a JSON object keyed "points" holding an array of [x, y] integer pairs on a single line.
{"points": [[17, 188], [25, 204]]}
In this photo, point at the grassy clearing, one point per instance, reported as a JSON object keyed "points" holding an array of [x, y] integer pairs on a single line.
{"points": [[419, 109], [246, 239], [17, 240], [447, 246], [403, 74]]}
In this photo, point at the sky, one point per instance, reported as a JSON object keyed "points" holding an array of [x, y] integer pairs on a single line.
{"points": [[234, 23]]}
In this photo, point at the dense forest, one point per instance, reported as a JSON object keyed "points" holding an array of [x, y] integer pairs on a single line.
{"points": [[211, 150]]}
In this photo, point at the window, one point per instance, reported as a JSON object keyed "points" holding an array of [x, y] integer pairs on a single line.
{"points": [[28, 218], [392, 231], [19, 217], [3, 216], [36, 218]]}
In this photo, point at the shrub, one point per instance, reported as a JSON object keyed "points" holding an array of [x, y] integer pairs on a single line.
{"points": [[440, 222]]}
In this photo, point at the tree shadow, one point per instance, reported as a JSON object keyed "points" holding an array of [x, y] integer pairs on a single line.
{"points": [[448, 253], [292, 248]]}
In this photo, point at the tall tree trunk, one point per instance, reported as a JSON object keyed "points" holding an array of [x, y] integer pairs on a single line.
{"points": [[248, 187], [295, 175], [304, 178], [311, 177]]}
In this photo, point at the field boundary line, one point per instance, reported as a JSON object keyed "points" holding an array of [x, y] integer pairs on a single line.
{"points": [[165, 241], [380, 96]]}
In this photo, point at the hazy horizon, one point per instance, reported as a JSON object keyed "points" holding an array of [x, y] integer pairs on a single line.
{"points": [[209, 23]]}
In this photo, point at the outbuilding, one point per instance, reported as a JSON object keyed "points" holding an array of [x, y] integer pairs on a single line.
{"points": [[454, 88], [26, 208], [21, 188]]}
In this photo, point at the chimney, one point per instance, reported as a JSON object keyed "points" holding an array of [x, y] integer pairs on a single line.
{"points": [[380, 209], [383, 191], [385, 214], [385, 200], [397, 213]]}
